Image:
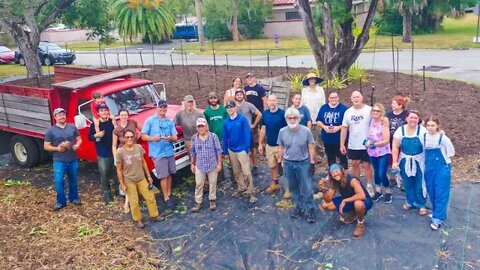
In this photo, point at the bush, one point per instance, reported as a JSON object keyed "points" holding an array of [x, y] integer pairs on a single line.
{"points": [[296, 82], [389, 22]]}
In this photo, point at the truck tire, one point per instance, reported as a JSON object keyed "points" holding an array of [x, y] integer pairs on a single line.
{"points": [[24, 151]]}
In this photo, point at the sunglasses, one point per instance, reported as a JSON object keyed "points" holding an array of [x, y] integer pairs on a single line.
{"points": [[292, 118], [128, 137], [375, 110]]}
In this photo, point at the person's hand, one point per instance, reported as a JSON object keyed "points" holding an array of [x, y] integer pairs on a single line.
{"points": [[327, 129], [60, 148], [311, 170], [336, 129], [340, 208], [343, 149], [219, 167], [124, 188], [260, 148], [395, 166], [100, 134], [252, 126], [150, 180], [321, 184], [157, 138], [192, 168], [75, 147]]}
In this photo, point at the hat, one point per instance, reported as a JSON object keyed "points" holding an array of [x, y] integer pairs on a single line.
{"points": [[230, 104], [239, 90], [312, 75], [102, 106], [201, 122], [212, 94], [188, 98], [334, 167], [162, 103], [251, 74], [59, 110]]}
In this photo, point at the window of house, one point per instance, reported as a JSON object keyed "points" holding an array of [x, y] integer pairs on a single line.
{"points": [[292, 15]]}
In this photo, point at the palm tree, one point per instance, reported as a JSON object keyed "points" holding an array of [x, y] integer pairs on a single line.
{"points": [[201, 33], [150, 18]]}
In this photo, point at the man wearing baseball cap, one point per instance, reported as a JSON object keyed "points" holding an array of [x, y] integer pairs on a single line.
{"points": [[236, 146], [187, 118], [103, 139], [63, 140], [160, 133]]}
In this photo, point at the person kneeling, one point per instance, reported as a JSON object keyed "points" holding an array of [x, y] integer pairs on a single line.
{"points": [[131, 171], [353, 202]]}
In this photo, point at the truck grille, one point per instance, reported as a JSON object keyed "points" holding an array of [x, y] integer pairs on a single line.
{"points": [[179, 147]]}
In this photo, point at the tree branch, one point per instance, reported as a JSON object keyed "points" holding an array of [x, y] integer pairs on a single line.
{"points": [[39, 7], [64, 4], [317, 47], [364, 36]]}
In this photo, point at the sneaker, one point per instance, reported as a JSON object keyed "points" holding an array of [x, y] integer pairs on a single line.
{"points": [[388, 198], [272, 188], [197, 208], [213, 205], [237, 193], [435, 226], [58, 206], [430, 215], [359, 230], [297, 213], [76, 202], [377, 196], [169, 204], [287, 195], [311, 217], [158, 218], [253, 199], [370, 190], [139, 224]]}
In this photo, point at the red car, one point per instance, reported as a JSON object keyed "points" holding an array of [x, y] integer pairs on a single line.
{"points": [[6, 55]]}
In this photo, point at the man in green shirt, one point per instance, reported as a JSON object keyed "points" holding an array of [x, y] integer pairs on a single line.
{"points": [[215, 114]]}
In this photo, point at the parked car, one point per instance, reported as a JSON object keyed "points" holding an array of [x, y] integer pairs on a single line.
{"points": [[49, 54], [6, 55]]}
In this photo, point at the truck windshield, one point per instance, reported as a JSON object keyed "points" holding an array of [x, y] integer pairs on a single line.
{"points": [[134, 99]]}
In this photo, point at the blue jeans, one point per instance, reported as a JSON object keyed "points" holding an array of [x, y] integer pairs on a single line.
{"points": [[413, 186], [380, 167], [106, 169], [300, 183], [61, 168]]}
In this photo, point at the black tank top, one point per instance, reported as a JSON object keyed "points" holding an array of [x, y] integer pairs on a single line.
{"points": [[348, 190]]}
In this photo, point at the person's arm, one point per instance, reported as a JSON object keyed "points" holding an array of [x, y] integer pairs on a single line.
{"points": [[395, 152], [193, 156], [147, 172], [261, 139], [50, 148], [311, 151], [327, 193], [120, 175], [359, 193], [246, 134], [264, 99], [258, 117], [343, 137], [225, 97], [114, 143], [78, 142], [309, 124], [449, 149], [173, 131], [385, 135], [218, 150], [280, 154]]}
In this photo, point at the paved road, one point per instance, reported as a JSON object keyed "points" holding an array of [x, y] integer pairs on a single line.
{"points": [[461, 65]]}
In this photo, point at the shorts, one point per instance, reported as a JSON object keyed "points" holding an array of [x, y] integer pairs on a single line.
{"points": [[273, 156], [350, 206], [164, 167], [358, 155], [254, 138]]}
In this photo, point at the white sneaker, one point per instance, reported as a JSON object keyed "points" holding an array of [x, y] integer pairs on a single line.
{"points": [[370, 190]]}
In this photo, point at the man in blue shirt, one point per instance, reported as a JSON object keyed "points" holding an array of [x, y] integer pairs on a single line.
{"points": [[273, 121], [160, 133], [103, 145], [236, 145]]}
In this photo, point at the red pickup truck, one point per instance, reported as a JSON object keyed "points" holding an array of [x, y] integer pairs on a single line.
{"points": [[26, 112]]}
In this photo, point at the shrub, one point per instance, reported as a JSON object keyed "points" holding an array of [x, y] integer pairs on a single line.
{"points": [[356, 73], [295, 82]]}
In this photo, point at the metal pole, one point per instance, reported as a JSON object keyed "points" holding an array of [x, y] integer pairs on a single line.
{"points": [[398, 68], [361, 88], [374, 50], [153, 56], [141, 57], [198, 82], [181, 52], [286, 62], [372, 97], [424, 86], [100, 53], [118, 60], [250, 54], [411, 67], [105, 58], [478, 22], [125, 47], [268, 63], [226, 58], [171, 60], [393, 62]]}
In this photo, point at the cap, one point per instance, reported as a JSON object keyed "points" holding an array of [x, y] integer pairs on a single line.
{"points": [[230, 104], [162, 103], [212, 94], [239, 90], [188, 98], [201, 122], [251, 74], [59, 110], [102, 106]]}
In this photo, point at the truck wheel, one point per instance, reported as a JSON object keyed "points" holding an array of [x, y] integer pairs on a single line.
{"points": [[24, 151]]}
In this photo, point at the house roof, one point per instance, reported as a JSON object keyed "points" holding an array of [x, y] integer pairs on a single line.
{"points": [[283, 2]]}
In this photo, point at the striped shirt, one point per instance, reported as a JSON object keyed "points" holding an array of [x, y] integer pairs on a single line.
{"points": [[206, 152]]}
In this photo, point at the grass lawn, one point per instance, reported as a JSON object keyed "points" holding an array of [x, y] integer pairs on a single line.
{"points": [[455, 33], [7, 70], [93, 46]]}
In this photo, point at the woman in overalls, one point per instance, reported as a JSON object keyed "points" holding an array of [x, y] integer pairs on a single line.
{"points": [[412, 161], [438, 174]]}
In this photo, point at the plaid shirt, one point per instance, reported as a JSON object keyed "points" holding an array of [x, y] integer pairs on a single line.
{"points": [[206, 152]]}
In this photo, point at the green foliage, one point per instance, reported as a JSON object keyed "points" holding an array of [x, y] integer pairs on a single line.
{"points": [[296, 82], [252, 15], [37, 232], [85, 231], [217, 14], [16, 183], [389, 22], [356, 74], [151, 19], [8, 199], [336, 82]]}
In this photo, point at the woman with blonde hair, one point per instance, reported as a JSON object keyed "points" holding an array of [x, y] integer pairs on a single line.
{"points": [[378, 148], [438, 152], [230, 93]]}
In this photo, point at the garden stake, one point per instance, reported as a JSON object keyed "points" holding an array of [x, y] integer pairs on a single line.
{"points": [[393, 62], [171, 60], [372, 97], [125, 48], [424, 87]]}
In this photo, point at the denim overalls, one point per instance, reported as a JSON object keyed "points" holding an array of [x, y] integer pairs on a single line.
{"points": [[437, 177], [411, 169]]}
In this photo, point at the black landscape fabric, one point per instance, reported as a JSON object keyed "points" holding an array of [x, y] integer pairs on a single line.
{"points": [[241, 235]]}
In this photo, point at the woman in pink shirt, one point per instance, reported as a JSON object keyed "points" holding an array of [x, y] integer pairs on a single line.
{"points": [[378, 148]]}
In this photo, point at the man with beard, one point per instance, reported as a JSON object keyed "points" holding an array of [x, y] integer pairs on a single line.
{"points": [[251, 112], [356, 122], [187, 119], [103, 144], [297, 154], [63, 140], [273, 121]]}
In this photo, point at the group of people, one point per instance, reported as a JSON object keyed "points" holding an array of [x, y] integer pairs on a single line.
{"points": [[249, 121]]}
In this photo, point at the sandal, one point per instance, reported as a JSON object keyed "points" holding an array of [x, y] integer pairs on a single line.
{"points": [[407, 207], [422, 211]]}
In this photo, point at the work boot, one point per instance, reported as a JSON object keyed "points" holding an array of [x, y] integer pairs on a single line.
{"points": [[359, 230], [272, 188], [253, 199], [197, 208], [158, 218], [287, 195], [213, 205], [139, 224]]}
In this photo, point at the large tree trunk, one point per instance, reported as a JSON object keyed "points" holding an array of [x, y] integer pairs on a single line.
{"points": [[235, 34], [407, 25], [340, 49], [201, 34]]}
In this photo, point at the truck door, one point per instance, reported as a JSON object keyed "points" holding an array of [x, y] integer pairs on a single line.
{"points": [[83, 121]]}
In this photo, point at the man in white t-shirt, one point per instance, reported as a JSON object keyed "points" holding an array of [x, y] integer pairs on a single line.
{"points": [[356, 123]]}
